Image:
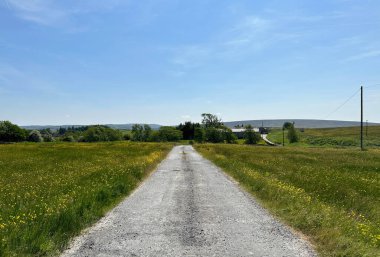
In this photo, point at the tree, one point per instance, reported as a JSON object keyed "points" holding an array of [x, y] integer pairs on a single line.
{"points": [[168, 134], [287, 125], [188, 129], [147, 132], [137, 132], [68, 138], [101, 133], [251, 137], [35, 136], [214, 135], [211, 121], [11, 133], [293, 135], [141, 133], [229, 136], [199, 135]]}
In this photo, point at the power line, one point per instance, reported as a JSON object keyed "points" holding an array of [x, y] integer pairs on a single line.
{"points": [[340, 106]]}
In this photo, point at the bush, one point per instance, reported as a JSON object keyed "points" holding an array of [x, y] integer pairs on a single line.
{"points": [[169, 134], [47, 135], [141, 133], [101, 133], [199, 135], [251, 137], [35, 136], [229, 136], [68, 138], [127, 136], [11, 133], [293, 135], [214, 135]]}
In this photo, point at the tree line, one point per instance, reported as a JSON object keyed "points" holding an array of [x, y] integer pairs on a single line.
{"points": [[211, 129]]}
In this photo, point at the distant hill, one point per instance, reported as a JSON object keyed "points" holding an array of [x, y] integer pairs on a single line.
{"points": [[299, 123], [115, 126]]}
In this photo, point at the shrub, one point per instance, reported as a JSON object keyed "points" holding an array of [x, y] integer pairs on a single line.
{"points": [[101, 133], [199, 135], [35, 136], [169, 134], [229, 136], [11, 133], [292, 135], [214, 135], [251, 137], [141, 133], [188, 129], [68, 138], [47, 135], [127, 136]]}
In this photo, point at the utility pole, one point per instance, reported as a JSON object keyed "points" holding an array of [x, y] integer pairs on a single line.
{"points": [[366, 129], [283, 136], [361, 120]]}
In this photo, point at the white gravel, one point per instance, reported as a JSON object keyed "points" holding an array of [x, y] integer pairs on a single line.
{"points": [[188, 207]]}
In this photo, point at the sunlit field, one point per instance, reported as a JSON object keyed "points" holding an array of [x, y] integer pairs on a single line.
{"points": [[50, 191], [331, 195], [335, 137]]}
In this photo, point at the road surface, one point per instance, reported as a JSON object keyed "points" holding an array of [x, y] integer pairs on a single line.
{"points": [[188, 207], [265, 138]]}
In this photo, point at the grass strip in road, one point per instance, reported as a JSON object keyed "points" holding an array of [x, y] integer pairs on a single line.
{"points": [[49, 192], [331, 195]]}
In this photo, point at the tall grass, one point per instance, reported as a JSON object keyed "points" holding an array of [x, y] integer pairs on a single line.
{"points": [[49, 192], [337, 137], [331, 195]]}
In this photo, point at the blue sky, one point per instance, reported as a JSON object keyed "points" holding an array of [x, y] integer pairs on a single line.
{"points": [[167, 61]]}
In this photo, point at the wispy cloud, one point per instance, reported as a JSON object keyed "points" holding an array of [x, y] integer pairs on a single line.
{"points": [[54, 12], [15, 81], [368, 54], [246, 36]]}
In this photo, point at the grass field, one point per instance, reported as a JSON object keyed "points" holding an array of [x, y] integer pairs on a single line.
{"points": [[337, 137], [49, 192], [331, 195]]}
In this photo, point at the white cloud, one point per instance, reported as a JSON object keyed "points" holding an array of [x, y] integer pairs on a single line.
{"points": [[54, 12], [369, 54]]}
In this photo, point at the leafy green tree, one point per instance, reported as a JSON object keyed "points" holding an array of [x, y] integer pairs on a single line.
{"points": [[188, 129], [68, 138], [214, 135], [211, 121], [230, 137], [287, 125], [147, 132], [101, 133], [169, 134], [35, 136], [10, 132], [47, 135], [199, 135], [137, 132], [251, 137], [293, 135], [141, 133]]}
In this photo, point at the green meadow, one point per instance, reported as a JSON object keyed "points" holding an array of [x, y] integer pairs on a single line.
{"points": [[330, 195], [332, 137], [49, 192]]}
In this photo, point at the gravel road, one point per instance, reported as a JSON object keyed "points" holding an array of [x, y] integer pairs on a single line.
{"points": [[188, 207]]}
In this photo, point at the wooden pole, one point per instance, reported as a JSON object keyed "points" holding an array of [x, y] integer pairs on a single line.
{"points": [[361, 120]]}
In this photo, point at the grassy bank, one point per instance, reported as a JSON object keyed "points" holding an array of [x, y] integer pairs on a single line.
{"points": [[336, 137], [331, 195], [49, 192]]}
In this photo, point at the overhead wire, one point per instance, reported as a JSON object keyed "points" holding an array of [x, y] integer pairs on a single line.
{"points": [[343, 104]]}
